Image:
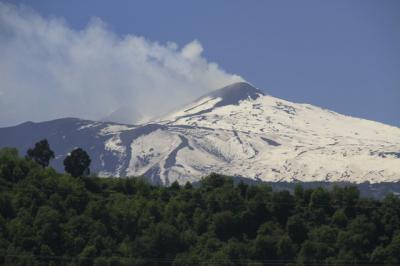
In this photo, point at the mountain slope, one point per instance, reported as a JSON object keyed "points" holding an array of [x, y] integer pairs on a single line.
{"points": [[237, 131], [276, 140]]}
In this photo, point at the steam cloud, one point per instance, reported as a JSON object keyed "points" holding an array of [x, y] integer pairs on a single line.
{"points": [[49, 70]]}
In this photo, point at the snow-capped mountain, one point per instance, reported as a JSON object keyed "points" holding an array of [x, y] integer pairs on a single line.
{"points": [[236, 130]]}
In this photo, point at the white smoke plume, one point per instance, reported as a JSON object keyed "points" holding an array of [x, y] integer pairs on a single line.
{"points": [[49, 70]]}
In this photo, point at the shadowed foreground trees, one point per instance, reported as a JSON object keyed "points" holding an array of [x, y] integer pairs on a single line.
{"points": [[52, 218]]}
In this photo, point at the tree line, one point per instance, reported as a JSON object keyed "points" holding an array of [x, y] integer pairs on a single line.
{"points": [[51, 218]]}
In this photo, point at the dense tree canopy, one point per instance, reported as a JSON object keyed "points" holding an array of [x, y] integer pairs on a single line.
{"points": [[41, 153], [52, 218]]}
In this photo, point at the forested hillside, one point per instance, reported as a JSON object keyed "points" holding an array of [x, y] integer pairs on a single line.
{"points": [[52, 218]]}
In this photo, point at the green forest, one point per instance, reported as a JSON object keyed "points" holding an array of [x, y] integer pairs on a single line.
{"points": [[51, 218]]}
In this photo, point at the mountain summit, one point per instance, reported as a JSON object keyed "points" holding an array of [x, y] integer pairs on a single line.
{"points": [[234, 93], [236, 130], [229, 95]]}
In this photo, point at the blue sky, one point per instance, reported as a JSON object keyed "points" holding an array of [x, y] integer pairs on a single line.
{"points": [[342, 55]]}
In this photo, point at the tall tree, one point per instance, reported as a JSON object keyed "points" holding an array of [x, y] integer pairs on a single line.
{"points": [[41, 153], [77, 163]]}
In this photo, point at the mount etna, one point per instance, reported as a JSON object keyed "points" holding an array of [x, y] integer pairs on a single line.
{"points": [[236, 130]]}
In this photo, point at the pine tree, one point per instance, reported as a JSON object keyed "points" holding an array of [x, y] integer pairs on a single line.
{"points": [[77, 163], [41, 153]]}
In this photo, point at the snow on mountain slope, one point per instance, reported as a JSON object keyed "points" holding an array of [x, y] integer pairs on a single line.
{"points": [[273, 139], [237, 131]]}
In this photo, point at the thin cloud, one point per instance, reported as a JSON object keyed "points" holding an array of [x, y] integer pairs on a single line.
{"points": [[49, 70]]}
